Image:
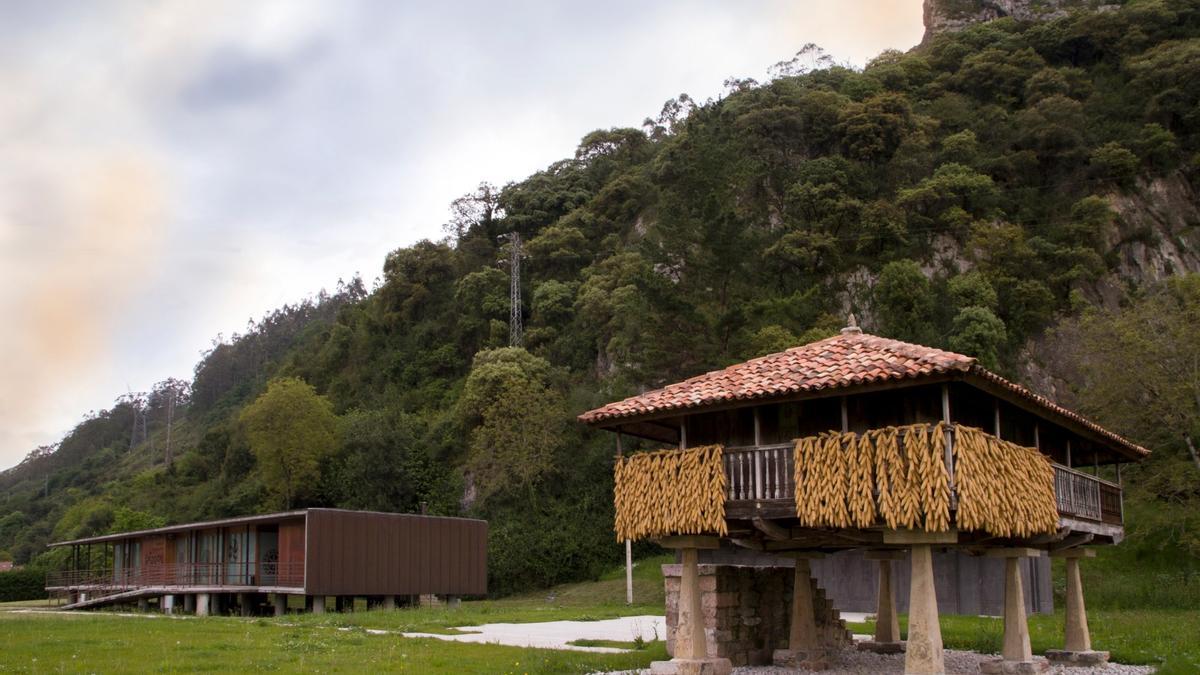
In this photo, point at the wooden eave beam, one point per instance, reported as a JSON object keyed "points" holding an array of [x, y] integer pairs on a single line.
{"points": [[1083, 431]]}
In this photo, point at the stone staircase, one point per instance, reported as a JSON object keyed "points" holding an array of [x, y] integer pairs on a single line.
{"points": [[833, 629]]}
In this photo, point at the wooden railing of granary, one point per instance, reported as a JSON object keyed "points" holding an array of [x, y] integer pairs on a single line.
{"points": [[99, 582], [925, 476], [765, 474]]}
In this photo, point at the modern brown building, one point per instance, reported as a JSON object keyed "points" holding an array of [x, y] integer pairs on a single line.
{"points": [[215, 566], [850, 449]]}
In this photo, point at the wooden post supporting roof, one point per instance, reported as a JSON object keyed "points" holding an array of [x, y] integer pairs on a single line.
{"points": [[949, 459]]}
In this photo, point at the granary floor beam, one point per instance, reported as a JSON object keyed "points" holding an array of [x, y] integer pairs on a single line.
{"points": [[1016, 655], [1077, 648], [887, 620]]}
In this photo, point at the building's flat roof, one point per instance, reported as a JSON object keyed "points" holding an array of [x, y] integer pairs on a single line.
{"points": [[239, 520]]}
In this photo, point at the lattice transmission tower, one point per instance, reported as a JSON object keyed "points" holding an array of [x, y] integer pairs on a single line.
{"points": [[516, 329]]}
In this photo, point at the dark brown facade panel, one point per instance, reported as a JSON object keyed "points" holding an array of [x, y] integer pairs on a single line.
{"points": [[395, 554]]}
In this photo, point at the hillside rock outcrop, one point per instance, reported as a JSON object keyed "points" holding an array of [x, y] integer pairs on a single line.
{"points": [[950, 15]]}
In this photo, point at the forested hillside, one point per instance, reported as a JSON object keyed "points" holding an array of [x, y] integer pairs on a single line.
{"points": [[969, 194]]}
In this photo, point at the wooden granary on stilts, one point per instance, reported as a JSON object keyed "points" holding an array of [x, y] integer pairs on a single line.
{"points": [[856, 443]]}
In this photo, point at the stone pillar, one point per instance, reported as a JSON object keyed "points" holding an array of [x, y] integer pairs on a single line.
{"points": [[1078, 638], [389, 602], [690, 642], [691, 645], [1077, 649], [318, 604], [887, 621], [202, 604], [189, 603], [245, 604], [280, 604], [924, 654], [1016, 656], [804, 641], [168, 604], [1016, 627]]}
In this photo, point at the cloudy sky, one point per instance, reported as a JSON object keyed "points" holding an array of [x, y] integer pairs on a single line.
{"points": [[169, 170]]}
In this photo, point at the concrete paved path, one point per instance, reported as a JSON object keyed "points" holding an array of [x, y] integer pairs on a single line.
{"points": [[556, 634]]}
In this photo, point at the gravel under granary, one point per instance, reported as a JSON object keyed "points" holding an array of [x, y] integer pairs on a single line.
{"points": [[852, 662]]}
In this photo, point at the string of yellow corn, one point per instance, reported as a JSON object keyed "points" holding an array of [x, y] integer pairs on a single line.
{"points": [[670, 492]]}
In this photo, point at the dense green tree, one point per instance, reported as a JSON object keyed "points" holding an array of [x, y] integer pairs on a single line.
{"points": [[978, 332], [515, 419], [1137, 368], [903, 302], [290, 429], [972, 289], [1115, 162]]}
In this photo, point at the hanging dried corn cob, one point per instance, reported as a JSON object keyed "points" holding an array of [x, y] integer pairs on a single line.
{"points": [[670, 492]]}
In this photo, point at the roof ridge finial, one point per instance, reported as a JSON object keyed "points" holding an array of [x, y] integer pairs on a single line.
{"points": [[851, 327]]}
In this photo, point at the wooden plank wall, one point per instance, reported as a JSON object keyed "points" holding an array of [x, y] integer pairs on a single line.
{"points": [[362, 553]]}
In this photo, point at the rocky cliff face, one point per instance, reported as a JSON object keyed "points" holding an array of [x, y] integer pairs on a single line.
{"points": [[951, 15], [1157, 235]]}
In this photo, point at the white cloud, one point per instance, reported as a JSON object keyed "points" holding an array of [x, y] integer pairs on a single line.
{"points": [[173, 169]]}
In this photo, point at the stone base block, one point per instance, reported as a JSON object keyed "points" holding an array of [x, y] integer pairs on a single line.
{"points": [[1002, 667], [881, 647], [709, 666], [1062, 657], [787, 658]]}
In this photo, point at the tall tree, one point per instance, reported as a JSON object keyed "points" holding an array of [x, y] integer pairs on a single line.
{"points": [[290, 429], [515, 419], [1139, 367]]}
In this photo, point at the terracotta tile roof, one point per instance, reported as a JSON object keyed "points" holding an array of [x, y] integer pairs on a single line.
{"points": [[851, 358]]}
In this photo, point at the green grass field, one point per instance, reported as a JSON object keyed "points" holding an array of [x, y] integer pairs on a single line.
{"points": [[108, 643], [105, 642], [1169, 638]]}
